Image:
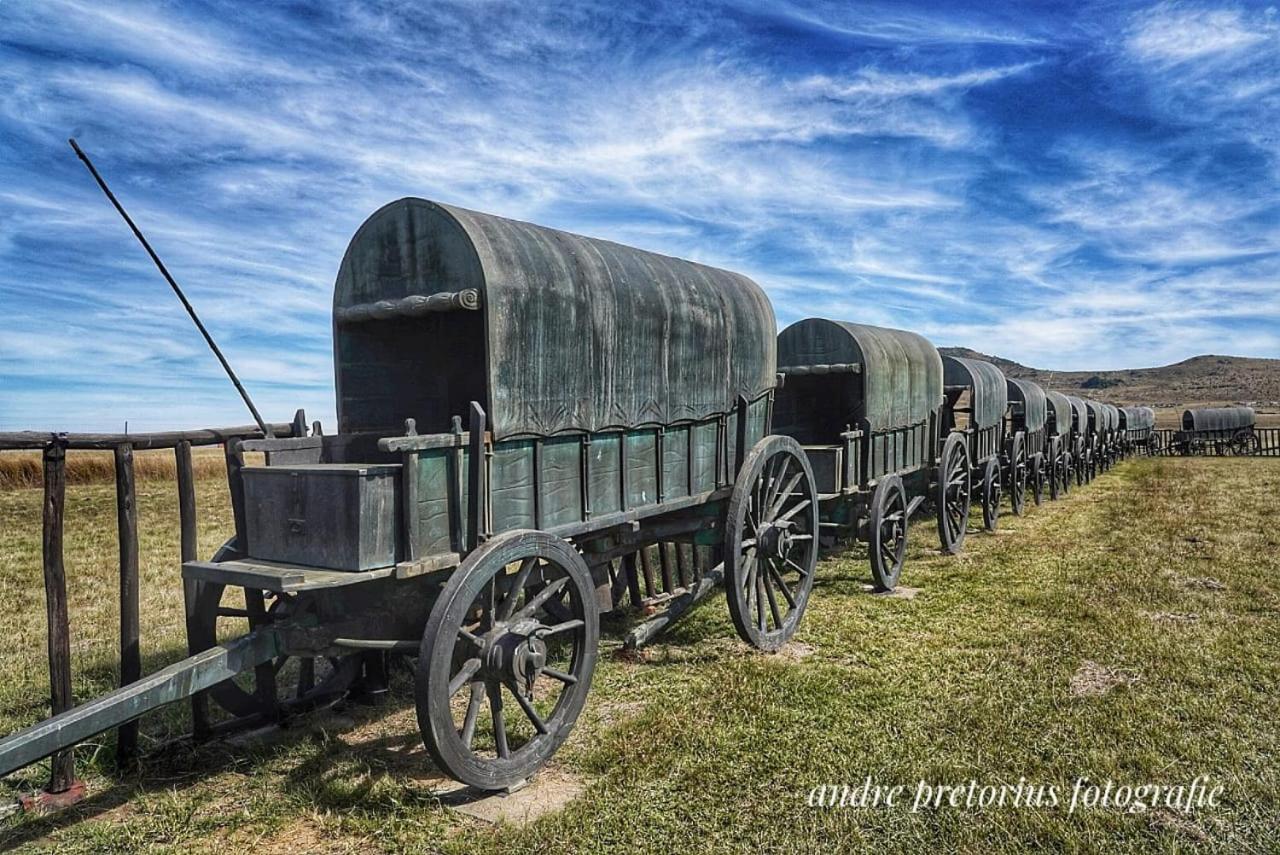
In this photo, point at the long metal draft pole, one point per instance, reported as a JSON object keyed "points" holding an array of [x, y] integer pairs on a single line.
{"points": [[226, 366]]}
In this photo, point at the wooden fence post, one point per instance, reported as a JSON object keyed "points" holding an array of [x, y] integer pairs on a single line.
{"points": [[130, 631], [63, 774], [190, 552]]}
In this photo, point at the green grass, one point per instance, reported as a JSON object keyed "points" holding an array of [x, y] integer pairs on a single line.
{"points": [[1162, 578]]}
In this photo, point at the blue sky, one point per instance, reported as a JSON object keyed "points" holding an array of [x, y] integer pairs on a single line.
{"points": [[1072, 186]]}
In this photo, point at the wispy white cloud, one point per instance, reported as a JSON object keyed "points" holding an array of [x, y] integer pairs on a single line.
{"points": [[1175, 33], [871, 163]]}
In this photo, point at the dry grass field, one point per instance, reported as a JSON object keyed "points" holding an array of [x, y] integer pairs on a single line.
{"points": [[1128, 632]]}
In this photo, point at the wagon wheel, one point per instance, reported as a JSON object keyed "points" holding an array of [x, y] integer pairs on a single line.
{"points": [[1037, 477], [1090, 462], [1154, 444], [1080, 459], [211, 621], [770, 549], [517, 621], [1246, 442], [991, 494], [1018, 474], [955, 490], [887, 532], [1056, 467], [1068, 471]]}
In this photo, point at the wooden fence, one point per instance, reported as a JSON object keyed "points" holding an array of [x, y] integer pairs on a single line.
{"points": [[55, 447]]}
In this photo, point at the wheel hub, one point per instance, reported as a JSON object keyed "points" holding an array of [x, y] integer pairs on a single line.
{"points": [[515, 658], [775, 539]]}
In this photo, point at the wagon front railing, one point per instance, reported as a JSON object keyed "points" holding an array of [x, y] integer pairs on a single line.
{"points": [[63, 786]]}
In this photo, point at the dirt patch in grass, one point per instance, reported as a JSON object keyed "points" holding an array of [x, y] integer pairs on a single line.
{"points": [[1173, 617], [1092, 680]]}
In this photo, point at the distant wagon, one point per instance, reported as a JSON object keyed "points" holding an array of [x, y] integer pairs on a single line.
{"points": [[977, 391], [1080, 451], [613, 398], [1115, 444], [1220, 430], [865, 403], [1137, 425], [1059, 425], [1028, 416], [1096, 430]]}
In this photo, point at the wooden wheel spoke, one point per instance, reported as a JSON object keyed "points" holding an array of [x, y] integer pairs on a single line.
{"points": [[803, 572], [562, 676], [466, 634], [800, 506], [760, 619], [517, 586], [464, 675], [752, 564], [532, 714], [488, 611], [499, 722], [551, 590], [562, 627], [782, 586], [773, 491], [773, 598], [785, 494], [473, 713]]}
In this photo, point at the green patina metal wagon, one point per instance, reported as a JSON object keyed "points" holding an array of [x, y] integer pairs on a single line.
{"points": [[1097, 430], [1218, 430], [977, 400], [1081, 452], [613, 398], [1029, 449], [865, 403], [1137, 426], [1059, 426]]}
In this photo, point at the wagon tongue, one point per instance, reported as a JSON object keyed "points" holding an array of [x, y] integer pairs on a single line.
{"points": [[180, 680]]}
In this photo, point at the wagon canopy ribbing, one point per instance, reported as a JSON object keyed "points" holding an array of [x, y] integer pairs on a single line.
{"points": [[436, 306], [1031, 399], [1094, 413], [900, 372], [1110, 416], [1218, 418], [1138, 418], [1060, 408], [990, 394], [1080, 412]]}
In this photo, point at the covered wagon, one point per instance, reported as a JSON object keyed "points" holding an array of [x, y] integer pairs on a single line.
{"points": [[864, 402], [976, 400], [518, 407]]}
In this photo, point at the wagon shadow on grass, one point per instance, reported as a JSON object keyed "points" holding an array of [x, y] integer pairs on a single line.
{"points": [[180, 765]]}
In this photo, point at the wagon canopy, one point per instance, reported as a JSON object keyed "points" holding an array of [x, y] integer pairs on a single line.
{"points": [[1032, 401], [1094, 414], [1112, 414], [1060, 408], [900, 372], [436, 306], [1138, 418], [1218, 418], [990, 395], [1080, 412]]}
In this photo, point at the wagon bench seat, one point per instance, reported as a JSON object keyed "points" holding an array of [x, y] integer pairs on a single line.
{"points": [[275, 576]]}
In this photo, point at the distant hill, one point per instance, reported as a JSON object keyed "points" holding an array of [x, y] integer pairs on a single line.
{"points": [[1208, 379]]}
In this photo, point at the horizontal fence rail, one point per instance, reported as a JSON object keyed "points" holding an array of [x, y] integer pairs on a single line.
{"points": [[54, 447]]}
